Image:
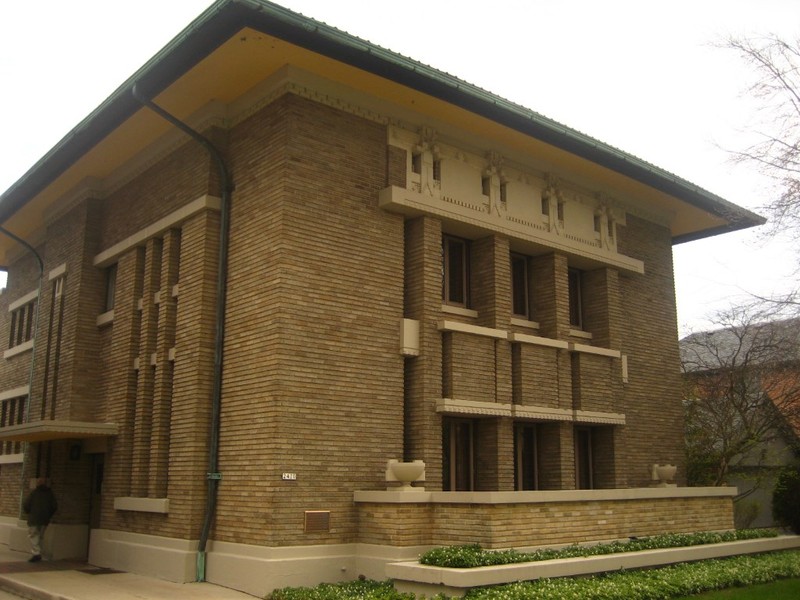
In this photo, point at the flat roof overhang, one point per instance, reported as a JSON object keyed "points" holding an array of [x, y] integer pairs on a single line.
{"points": [[45, 431], [236, 44]]}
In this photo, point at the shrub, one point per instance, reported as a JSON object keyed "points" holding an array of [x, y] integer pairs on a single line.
{"points": [[786, 498], [668, 582], [467, 557]]}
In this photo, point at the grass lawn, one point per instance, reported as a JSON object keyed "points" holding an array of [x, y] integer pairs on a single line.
{"points": [[777, 590]]}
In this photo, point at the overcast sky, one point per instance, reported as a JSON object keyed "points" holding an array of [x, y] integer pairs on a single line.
{"points": [[645, 77]]}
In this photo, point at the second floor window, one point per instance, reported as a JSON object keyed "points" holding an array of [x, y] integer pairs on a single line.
{"points": [[575, 299], [455, 271], [111, 286], [520, 297], [22, 324]]}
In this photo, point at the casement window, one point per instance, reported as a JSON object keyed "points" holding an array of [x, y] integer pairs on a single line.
{"points": [[110, 287], [575, 299], [526, 459], [458, 454], [520, 289], [584, 476], [22, 319], [455, 271]]}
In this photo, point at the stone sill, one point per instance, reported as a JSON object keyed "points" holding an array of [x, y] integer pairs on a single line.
{"points": [[23, 347], [421, 497], [151, 505], [427, 580]]}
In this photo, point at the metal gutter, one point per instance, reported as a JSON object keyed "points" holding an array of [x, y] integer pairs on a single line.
{"points": [[225, 17]]}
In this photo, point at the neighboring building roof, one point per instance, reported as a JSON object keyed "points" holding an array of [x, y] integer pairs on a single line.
{"points": [[210, 35], [756, 343], [773, 348]]}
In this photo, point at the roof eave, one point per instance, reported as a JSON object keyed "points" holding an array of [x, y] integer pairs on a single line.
{"points": [[225, 17]]}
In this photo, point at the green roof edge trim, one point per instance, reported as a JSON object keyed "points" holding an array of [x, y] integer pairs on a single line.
{"points": [[223, 18]]}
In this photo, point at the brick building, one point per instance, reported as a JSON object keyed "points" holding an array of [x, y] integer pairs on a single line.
{"points": [[221, 349]]}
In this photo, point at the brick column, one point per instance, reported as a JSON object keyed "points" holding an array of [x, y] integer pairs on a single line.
{"points": [[551, 295], [556, 456], [423, 374]]}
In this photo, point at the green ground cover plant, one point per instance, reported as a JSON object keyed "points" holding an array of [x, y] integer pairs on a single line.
{"points": [[677, 581], [470, 556], [782, 589]]}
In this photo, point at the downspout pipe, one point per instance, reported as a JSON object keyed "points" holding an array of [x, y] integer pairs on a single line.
{"points": [[27, 416], [213, 476]]}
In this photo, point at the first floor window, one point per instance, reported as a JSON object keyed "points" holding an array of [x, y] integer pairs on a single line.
{"points": [[458, 455], [583, 458], [22, 324], [455, 271], [12, 411], [526, 468]]}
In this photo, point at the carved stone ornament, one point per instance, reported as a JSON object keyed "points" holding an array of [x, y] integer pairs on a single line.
{"points": [[428, 138]]}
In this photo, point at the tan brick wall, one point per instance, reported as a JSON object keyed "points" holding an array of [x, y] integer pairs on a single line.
{"points": [[423, 374], [319, 278], [538, 524], [652, 397], [316, 300]]}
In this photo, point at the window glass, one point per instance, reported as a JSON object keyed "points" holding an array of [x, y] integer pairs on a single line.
{"points": [[519, 286], [455, 261], [575, 299], [22, 319], [525, 457], [458, 455], [111, 287]]}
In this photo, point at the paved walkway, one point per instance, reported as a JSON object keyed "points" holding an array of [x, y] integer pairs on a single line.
{"points": [[67, 580]]}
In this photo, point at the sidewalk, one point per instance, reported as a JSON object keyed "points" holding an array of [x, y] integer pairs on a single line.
{"points": [[66, 580]]}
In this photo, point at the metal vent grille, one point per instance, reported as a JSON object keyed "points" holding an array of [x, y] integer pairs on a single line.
{"points": [[318, 521]]}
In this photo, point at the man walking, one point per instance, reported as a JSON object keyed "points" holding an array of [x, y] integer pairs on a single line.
{"points": [[40, 506]]}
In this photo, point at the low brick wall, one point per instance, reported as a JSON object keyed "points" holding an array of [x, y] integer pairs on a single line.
{"points": [[529, 519]]}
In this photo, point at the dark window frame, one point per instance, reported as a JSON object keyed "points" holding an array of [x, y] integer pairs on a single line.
{"points": [[110, 288], [459, 454], [584, 461], [575, 286], [455, 271], [520, 286], [526, 456], [22, 319]]}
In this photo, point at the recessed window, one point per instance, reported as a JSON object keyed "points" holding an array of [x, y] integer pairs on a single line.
{"points": [[455, 271], [458, 455], [546, 207], [111, 288], [416, 163], [526, 471], [575, 298], [584, 477], [11, 413], [437, 170], [486, 186], [520, 299], [610, 229], [597, 223], [560, 210], [504, 193], [22, 319]]}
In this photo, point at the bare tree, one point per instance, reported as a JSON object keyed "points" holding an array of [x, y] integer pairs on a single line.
{"points": [[742, 391], [776, 149]]}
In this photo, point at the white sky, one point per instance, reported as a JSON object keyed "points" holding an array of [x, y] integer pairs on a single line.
{"points": [[640, 75]]}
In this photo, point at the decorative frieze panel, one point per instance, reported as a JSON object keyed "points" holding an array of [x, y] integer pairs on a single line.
{"points": [[490, 193]]}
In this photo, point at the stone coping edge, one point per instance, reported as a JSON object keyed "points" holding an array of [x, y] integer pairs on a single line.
{"points": [[415, 574], [422, 497]]}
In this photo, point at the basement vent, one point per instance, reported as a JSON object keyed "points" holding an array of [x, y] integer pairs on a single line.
{"points": [[318, 521]]}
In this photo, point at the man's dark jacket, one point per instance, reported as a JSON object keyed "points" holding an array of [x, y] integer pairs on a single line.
{"points": [[40, 505]]}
